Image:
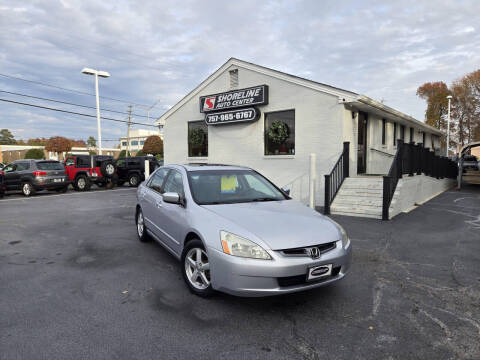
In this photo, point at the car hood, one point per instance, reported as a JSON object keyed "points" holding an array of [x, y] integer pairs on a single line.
{"points": [[280, 224]]}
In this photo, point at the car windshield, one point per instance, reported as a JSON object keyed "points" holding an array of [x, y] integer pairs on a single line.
{"points": [[50, 165], [211, 187]]}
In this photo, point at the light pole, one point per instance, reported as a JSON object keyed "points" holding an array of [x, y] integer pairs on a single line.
{"points": [[103, 74], [449, 97]]}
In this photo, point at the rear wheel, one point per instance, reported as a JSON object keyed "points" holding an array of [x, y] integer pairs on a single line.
{"points": [[141, 229], [28, 189], [82, 183], [134, 180], [196, 269]]}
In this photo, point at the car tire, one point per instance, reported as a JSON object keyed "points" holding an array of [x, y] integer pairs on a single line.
{"points": [[82, 183], [196, 275], [134, 180], [141, 228], [108, 169], [28, 189]]}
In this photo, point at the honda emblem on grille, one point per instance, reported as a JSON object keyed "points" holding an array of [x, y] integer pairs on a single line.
{"points": [[314, 252]]}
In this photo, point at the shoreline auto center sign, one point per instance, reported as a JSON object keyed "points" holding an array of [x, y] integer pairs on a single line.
{"points": [[218, 107]]}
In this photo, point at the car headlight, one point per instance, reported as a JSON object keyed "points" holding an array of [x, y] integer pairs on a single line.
{"points": [[343, 233], [237, 246]]}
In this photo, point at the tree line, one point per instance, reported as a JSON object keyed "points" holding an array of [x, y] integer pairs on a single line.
{"points": [[7, 138], [465, 107]]}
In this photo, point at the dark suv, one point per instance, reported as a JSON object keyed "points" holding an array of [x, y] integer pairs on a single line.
{"points": [[2, 184], [30, 176], [85, 170], [132, 169]]}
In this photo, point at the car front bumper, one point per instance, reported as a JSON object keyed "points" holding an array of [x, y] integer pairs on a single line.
{"points": [[283, 274]]}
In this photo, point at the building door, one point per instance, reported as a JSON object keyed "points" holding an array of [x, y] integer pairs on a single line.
{"points": [[362, 143]]}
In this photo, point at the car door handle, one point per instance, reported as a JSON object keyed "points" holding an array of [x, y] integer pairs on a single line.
{"points": [[158, 204]]}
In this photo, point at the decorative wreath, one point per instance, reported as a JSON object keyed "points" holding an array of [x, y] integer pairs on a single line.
{"points": [[197, 137], [278, 132]]}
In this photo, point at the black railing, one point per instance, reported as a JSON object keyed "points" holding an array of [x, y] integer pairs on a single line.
{"points": [[334, 180], [413, 159]]}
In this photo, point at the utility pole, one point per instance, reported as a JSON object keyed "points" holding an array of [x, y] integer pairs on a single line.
{"points": [[128, 128]]}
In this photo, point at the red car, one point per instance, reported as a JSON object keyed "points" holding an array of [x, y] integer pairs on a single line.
{"points": [[85, 170]]}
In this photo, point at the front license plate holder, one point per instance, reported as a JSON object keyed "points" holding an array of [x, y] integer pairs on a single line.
{"points": [[319, 272], [57, 180]]}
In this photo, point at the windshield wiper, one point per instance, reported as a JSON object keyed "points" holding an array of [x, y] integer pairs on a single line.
{"points": [[264, 199]]}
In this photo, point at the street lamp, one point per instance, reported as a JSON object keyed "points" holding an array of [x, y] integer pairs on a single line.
{"points": [[103, 74], [449, 97]]}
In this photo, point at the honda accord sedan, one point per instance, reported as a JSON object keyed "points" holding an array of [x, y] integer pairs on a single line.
{"points": [[235, 231]]}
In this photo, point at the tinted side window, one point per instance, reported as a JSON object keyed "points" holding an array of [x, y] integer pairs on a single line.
{"points": [[10, 168], [121, 162], [23, 166], [174, 183], [156, 181], [70, 162]]}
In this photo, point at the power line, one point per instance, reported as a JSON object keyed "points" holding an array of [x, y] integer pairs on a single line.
{"points": [[69, 103], [70, 90], [73, 112]]}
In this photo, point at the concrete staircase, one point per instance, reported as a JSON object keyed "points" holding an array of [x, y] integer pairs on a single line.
{"points": [[359, 196]]}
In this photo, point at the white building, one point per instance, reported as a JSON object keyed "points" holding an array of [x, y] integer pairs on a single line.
{"points": [[276, 120], [137, 139]]}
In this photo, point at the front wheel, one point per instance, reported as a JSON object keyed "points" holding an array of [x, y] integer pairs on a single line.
{"points": [[82, 183], [141, 229], [133, 180], [196, 269], [28, 189]]}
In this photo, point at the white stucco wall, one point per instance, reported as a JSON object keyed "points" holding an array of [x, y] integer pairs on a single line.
{"points": [[415, 190], [318, 129]]}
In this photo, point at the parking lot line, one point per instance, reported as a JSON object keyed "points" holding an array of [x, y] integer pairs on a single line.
{"points": [[67, 194]]}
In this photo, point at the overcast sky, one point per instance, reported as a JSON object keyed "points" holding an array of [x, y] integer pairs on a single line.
{"points": [[160, 50]]}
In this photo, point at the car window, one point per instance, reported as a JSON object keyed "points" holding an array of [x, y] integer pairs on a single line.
{"points": [[156, 182], [50, 165], [21, 166], [10, 168], [70, 162], [259, 184], [174, 183], [121, 162], [83, 162]]}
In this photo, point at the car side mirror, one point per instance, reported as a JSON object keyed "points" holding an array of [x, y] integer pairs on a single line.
{"points": [[286, 190], [171, 197]]}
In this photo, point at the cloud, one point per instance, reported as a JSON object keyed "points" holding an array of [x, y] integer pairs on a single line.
{"points": [[162, 50]]}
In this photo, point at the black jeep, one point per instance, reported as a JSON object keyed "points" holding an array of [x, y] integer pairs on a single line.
{"points": [[132, 169]]}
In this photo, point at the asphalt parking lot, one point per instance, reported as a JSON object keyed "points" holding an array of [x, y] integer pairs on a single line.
{"points": [[75, 283]]}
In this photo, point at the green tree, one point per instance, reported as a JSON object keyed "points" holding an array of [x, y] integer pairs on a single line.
{"points": [[91, 142], [140, 153], [153, 145], [6, 137], [123, 154], [35, 154]]}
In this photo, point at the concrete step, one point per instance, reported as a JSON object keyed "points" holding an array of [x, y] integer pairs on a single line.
{"points": [[360, 192], [357, 215], [342, 199], [365, 209]]}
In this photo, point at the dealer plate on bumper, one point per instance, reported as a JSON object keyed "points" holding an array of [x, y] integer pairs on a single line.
{"points": [[57, 180], [319, 271]]}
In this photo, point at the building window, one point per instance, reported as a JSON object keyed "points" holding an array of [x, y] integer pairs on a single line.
{"points": [[233, 79], [402, 132], [394, 134], [124, 143], [384, 126], [142, 142], [197, 139], [424, 139], [280, 133], [411, 135], [134, 142]]}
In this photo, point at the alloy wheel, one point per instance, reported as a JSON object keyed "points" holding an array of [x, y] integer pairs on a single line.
{"points": [[81, 183], [26, 189], [197, 268], [140, 224]]}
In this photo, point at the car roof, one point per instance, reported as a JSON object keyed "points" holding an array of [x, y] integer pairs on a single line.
{"points": [[207, 166]]}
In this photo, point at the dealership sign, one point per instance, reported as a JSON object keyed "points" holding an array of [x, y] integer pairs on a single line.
{"points": [[257, 95], [232, 116]]}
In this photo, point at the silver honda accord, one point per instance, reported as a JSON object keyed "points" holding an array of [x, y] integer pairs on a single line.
{"points": [[235, 231]]}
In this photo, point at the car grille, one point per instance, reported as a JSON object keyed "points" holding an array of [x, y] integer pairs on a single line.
{"points": [[302, 279], [323, 248]]}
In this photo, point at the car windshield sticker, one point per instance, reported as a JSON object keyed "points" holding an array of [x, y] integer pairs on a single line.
{"points": [[228, 184]]}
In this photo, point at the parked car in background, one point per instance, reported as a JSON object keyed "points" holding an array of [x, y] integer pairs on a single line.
{"points": [[470, 162], [2, 183], [30, 176], [132, 169], [85, 170], [235, 231]]}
